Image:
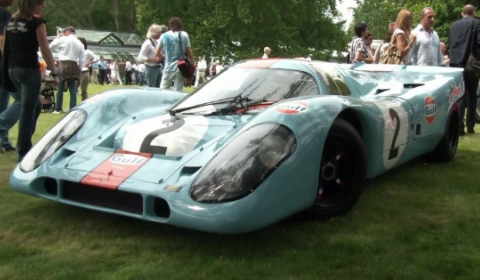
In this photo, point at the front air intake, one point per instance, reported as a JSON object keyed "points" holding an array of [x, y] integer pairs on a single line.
{"points": [[101, 197]]}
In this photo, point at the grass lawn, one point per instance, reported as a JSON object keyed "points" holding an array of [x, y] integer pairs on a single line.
{"points": [[419, 221]]}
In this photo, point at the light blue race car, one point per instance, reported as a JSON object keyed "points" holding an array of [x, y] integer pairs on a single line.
{"points": [[263, 140]]}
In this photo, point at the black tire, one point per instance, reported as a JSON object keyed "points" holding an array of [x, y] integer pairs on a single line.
{"points": [[342, 172], [447, 148]]}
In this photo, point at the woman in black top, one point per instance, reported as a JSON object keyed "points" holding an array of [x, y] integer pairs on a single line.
{"points": [[25, 33]]}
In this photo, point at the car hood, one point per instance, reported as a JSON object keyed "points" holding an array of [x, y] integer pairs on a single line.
{"points": [[153, 149], [173, 136]]}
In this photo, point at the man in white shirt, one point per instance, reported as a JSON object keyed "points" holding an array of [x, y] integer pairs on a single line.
{"points": [[135, 72], [71, 53], [201, 70], [128, 73], [88, 59], [426, 49]]}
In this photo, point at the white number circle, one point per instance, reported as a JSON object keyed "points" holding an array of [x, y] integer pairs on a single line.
{"points": [[395, 131]]}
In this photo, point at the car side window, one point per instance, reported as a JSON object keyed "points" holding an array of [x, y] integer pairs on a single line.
{"points": [[303, 85], [332, 79]]}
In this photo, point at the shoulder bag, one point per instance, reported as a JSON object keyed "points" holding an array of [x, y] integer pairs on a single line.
{"points": [[472, 68], [186, 68]]}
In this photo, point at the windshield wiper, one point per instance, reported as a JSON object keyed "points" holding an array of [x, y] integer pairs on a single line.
{"points": [[236, 99]]}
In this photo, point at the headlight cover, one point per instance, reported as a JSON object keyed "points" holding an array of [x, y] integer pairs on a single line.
{"points": [[240, 167], [53, 140]]}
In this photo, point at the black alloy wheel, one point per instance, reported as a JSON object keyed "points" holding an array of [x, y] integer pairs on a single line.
{"points": [[342, 171]]}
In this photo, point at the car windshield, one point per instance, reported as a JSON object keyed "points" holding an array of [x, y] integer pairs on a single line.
{"points": [[255, 84]]}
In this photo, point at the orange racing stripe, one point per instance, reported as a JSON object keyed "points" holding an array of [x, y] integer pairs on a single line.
{"points": [[116, 169]]}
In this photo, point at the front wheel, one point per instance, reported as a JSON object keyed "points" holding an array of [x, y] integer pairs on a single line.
{"points": [[342, 172]]}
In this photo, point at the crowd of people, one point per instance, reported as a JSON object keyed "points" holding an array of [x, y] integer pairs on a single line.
{"points": [[156, 65], [21, 72], [420, 45], [160, 41]]}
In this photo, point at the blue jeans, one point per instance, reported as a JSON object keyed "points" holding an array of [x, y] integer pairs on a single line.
{"points": [[6, 118], [72, 87], [141, 77], [153, 75], [137, 78], [28, 83]]}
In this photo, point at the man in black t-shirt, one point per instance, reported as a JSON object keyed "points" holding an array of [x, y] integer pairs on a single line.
{"points": [[5, 95]]}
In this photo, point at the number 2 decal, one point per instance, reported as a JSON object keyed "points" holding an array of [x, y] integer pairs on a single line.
{"points": [[395, 130], [394, 151], [161, 136], [148, 147]]}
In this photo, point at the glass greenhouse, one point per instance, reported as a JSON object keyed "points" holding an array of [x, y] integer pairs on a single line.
{"points": [[110, 45]]}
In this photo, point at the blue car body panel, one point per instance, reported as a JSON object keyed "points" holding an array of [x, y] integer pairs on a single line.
{"points": [[422, 98]]}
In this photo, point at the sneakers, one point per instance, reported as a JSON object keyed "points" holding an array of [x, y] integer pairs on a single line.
{"points": [[8, 147], [57, 112]]}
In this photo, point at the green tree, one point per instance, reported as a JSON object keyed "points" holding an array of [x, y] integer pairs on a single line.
{"points": [[234, 29], [242, 28], [118, 15], [377, 14]]}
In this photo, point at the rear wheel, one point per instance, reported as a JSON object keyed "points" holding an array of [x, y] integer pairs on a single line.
{"points": [[342, 171], [447, 148]]}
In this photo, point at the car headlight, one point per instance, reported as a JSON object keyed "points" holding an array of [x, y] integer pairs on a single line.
{"points": [[241, 166], [53, 140]]}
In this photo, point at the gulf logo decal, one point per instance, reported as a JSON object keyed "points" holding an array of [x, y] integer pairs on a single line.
{"points": [[126, 159], [430, 109], [294, 107], [116, 169]]}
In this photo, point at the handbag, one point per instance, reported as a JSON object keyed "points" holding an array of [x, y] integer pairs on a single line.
{"points": [[391, 55], [5, 81], [186, 68], [472, 68]]}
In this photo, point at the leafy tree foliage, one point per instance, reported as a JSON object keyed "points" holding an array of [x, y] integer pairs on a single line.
{"points": [[118, 15], [377, 14], [242, 28], [224, 28]]}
